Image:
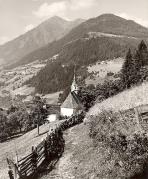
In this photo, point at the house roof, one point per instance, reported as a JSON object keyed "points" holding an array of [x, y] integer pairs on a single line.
{"points": [[72, 101]]}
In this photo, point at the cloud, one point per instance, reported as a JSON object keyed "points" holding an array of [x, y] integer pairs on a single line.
{"points": [[61, 8], [49, 10], [81, 4], [4, 39], [35, 0], [28, 27], [136, 19]]}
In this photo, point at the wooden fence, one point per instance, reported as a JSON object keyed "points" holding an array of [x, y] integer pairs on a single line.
{"points": [[50, 149]]}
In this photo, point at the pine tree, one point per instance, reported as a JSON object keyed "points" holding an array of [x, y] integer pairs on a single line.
{"points": [[127, 69], [142, 54], [142, 46], [131, 70], [140, 60]]}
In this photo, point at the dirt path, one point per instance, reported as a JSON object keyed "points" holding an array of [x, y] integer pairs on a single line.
{"points": [[67, 166]]}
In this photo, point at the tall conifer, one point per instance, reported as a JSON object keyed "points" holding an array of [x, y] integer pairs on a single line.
{"points": [[126, 69]]}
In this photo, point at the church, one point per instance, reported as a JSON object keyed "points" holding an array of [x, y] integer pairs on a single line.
{"points": [[72, 105]]}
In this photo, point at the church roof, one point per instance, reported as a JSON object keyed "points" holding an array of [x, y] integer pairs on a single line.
{"points": [[72, 101]]}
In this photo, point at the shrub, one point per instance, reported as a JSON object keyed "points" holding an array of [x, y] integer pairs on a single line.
{"points": [[109, 88], [119, 133], [110, 73], [3, 136], [87, 96]]}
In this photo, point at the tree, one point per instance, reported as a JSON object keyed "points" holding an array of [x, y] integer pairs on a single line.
{"points": [[142, 54], [38, 112], [140, 60], [3, 123], [131, 70], [87, 97], [108, 89], [17, 114], [127, 69], [63, 95]]}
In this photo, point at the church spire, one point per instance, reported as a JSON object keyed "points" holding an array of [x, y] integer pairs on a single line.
{"points": [[74, 86]]}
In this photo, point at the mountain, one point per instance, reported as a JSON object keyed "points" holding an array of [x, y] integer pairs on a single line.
{"points": [[47, 32], [99, 39], [106, 23]]}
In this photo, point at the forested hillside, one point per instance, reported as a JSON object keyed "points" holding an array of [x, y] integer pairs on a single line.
{"points": [[54, 77], [83, 52], [86, 51]]}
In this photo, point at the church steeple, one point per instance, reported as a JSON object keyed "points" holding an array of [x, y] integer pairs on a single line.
{"points": [[74, 86]]}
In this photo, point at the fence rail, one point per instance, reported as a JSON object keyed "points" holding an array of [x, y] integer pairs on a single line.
{"points": [[48, 150]]}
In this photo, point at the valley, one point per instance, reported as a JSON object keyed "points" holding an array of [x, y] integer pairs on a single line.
{"points": [[101, 66], [12, 81]]}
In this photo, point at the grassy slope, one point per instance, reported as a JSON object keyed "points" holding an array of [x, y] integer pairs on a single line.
{"points": [[75, 162], [22, 145], [52, 98], [98, 72], [82, 160], [126, 124], [125, 100]]}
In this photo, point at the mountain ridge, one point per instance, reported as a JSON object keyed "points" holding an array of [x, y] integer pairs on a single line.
{"points": [[106, 23], [46, 32]]}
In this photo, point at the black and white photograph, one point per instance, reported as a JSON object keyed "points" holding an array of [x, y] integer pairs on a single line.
{"points": [[73, 89]]}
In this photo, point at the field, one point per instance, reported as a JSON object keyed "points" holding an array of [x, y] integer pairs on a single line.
{"points": [[14, 78], [98, 72], [52, 98]]}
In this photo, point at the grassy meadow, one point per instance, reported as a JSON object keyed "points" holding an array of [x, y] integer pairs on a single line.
{"points": [[123, 101]]}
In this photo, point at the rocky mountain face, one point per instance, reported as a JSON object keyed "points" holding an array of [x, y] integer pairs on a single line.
{"points": [[47, 32]]}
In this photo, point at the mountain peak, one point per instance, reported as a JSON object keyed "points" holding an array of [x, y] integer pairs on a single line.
{"points": [[110, 17], [79, 20], [48, 31], [56, 18]]}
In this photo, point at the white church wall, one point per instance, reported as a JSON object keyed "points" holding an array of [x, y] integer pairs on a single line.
{"points": [[67, 112]]}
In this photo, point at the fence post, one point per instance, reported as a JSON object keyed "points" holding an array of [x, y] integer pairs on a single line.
{"points": [[10, 171], [17, 168], [11, 176], [45, 150], [137, 116], [34, 158]]}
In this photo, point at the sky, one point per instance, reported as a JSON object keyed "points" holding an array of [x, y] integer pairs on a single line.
{"points": [[20, 16]]}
